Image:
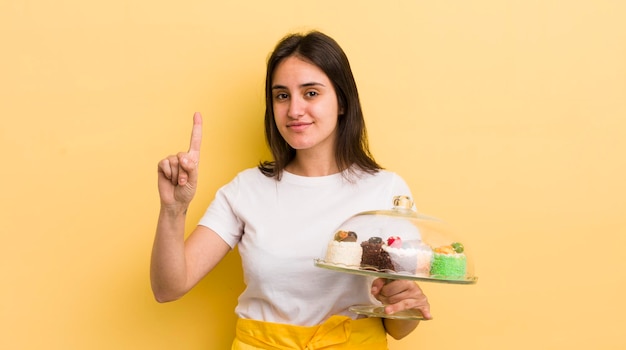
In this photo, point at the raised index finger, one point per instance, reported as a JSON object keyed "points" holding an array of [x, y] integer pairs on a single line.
{"points": [[196, 134]]}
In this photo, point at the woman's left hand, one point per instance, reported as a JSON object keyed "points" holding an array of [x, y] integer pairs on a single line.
{"points": [[398, 295]]}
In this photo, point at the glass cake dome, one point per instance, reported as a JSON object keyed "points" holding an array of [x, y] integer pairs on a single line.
{"points": [[398, 243]]}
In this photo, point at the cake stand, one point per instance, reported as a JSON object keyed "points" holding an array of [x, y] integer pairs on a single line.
{"points": [[399, 235]]}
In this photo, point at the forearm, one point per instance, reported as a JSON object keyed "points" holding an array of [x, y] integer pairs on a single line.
{"points": [[168, 270], [399, 329], [397, 296]]}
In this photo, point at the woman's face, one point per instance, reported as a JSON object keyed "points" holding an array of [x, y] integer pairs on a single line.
{"points": [[305, 105]]}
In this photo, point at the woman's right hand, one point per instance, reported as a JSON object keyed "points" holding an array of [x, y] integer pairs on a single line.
{"points": [[178, 174]]}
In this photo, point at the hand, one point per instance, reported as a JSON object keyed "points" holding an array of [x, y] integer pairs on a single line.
{"points": [[399, 295], [178, 174]]}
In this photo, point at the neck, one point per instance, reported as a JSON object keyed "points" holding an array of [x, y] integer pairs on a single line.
{"points": [[312, 166]]}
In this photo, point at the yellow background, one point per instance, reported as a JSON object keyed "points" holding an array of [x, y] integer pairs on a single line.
{"points": [[507, 119]]}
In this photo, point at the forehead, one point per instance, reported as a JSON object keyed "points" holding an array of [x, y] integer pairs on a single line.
{"points": [[295, 70]]}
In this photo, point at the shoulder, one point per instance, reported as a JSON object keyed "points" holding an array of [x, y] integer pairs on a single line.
{"points": [[379, 176], [246, 184], [252, 174], [387, 182], [249, 172], [251, 179]]}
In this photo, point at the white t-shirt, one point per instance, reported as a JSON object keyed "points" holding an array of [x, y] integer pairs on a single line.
{"points": [[282, 226]]}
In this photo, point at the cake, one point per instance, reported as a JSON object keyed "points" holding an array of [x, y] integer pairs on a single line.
{"points": [[449, 262], [374, 256], [409, 258], [424, 259], [344, 249], [404, 259]]}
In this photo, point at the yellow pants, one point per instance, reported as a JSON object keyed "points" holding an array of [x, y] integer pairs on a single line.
{"points": [[338, 332]]}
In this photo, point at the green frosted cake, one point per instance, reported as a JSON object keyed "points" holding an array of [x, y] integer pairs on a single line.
{"points": [[449, 262]]}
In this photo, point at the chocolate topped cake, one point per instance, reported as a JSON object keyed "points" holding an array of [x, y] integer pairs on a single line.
{"points": [[374, 255]]}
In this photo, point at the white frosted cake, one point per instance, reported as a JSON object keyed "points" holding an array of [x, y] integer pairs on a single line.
{"points": [[344, 250], [412, 259]]}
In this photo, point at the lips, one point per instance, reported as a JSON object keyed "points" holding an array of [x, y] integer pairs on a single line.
{"points": [[298, 126]]}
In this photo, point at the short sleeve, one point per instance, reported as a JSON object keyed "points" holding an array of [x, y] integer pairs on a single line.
{"points": [[221, 215]]}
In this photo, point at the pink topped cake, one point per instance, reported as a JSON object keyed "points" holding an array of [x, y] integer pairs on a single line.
{"points": [[409, 258]]}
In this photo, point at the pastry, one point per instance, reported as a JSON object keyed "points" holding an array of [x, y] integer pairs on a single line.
{"points": [[344, 249], [374, 256], [449, 262]]}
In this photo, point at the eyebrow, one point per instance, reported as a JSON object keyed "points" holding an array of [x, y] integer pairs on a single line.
{"points": [[278, 87]]}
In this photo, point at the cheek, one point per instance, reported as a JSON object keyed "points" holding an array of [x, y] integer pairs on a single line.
{"points": [[280, 110], [329, 114]]}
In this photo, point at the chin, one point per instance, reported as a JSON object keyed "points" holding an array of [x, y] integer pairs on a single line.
{"points": [[300, 145]]}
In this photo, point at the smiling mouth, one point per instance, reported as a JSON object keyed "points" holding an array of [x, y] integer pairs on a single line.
{"points": [[299, 126], [296, 125]]}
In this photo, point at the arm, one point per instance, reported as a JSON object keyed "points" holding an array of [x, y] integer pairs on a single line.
{"points": [[177, 265], [400, 295]]}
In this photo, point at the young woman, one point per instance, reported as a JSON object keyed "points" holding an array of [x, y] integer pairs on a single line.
{"points": [[282, 213]]}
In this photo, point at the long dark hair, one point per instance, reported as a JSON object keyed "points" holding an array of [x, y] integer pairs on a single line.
{"points": [[351, 148]]}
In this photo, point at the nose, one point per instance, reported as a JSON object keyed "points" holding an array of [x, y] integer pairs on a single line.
{"points": [[296, 108]]}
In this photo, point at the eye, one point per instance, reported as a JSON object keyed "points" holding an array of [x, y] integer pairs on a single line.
{"points": [[311, 93], [281, 96]]}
